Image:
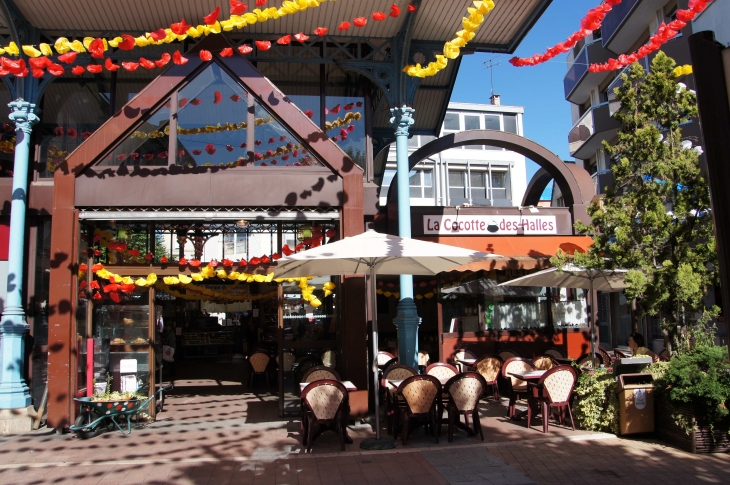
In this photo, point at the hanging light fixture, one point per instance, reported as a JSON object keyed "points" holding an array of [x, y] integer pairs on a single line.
{"points": [[242, 223], [304, 232]]}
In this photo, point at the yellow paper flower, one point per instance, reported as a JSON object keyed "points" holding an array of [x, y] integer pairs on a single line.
{"points": [[429, 295], [12, 49], [185, 279], [31, 51], [221, 273], [151, 279], [77, 46], [127, 280], [197, 277], [112, 42], [141, 282], [233, 275], [315, 303], [46, 49], [327, 293]]}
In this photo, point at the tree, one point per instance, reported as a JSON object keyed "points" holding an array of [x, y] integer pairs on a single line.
{"points": [[656, 220]]}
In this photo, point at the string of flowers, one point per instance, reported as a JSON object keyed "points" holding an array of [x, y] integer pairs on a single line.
{"points": [[452, 48]]}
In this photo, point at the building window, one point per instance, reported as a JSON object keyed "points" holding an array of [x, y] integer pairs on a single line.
{"points": [[457, 187], [500, 186], [479, 189], [510, 123], [491, 122], [421, 182], [451, 122]]}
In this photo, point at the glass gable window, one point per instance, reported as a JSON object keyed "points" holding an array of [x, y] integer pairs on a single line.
{"points": [[421, 182], [147, 146]]}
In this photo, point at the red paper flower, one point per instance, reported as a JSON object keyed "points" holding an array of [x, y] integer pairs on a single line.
{"points": [[213, 263], [286, 250], [235, 98], [178, 59], [181, 153], [269, 153], [309, 113], [134, 156], [121, 157], [394, 10], [263, 45], [182, 262], [163, 60], [146, 63], [72, 133], [227, 52], [321, 31], [295, 154], [96, 48], [94, 68], [94, 285], [110, 66], [68, 58], [130, 66], [217, 97], [163, 259], [244, 145], [210, 149], [348, 107], [257, 143], [134, 252], [212, 17], [284, 40], [245, 49], [205, 55], [242, 263], [162, 155], [343, 26], [282, 138], [274, 162], [115, 297], [237, 8], [148, 256], [229, 148], [257, 156], [194, 263], [285, 157], [195, 101], [351, 128], [227, 262], [182, 103], [272, 140], [197, 152], [127, 288], [260, 3], [255, 261], [127, 44], [180, 28], [97, 267], [301, 37], [158, 35], [379, 16], [412, 8], [97, 296], [360, 21], [335, 139], [38, 73], [97, 252], [148, 156], [39, 62], [343, 132], [335, 110]]}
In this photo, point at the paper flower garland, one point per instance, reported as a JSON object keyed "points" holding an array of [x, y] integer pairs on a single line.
{"points": [[452, 48], [683, 70]]}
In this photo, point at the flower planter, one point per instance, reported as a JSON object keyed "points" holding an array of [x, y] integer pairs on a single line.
{"points": [[700, 440]]}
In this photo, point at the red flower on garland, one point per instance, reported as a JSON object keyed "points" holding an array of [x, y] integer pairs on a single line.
{"points": [[133, 155], [263, 45], [94, 285], [217, 97], [335, 110], [195, 263], [127, 43], [343, 26], [127, 288], [227, 52], [237, 8], [210, 149], [115, 297], [235, 98], [110, 66], [359, 104], [146, 63], [360, 21], [255, 261], [94, 68], [242, 263], [96, 48], [130, 66], [276, 256], [97, 252], [195, 101], [394, 10], [197, 152], [282, 138], [68, 58], [213, 263], [58, 131], [265, 259], [162, 155], [83, 267], [205, 55], [286, 250], [348, 107], [180, 28], [257, 156], [182, 103], [229, 148], [163, 259], [309, 113], [163, 60], [379, 16], [97, 267], [321, 31], [148, 156], [412, 8], [134, 252], [148, 256], [284, 40], [245, 49], [257, 143], [335, 138], [244, 145], [301, 37], [178, 59], [351, 128], [121, 157], [72, 133], [37, 73], [182, 262], [260, 3], [158, 35], [227, 262], [272, 140], [97, 296], [212, 17]]}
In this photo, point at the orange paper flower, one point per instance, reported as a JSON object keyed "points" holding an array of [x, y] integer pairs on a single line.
{"points": [[301, 37], [195, 263]]}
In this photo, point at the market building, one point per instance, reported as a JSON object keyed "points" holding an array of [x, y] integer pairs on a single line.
{"points": [[152, 189]]}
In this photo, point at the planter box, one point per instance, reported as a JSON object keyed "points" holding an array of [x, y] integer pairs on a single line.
{"points": [[700, 440]]}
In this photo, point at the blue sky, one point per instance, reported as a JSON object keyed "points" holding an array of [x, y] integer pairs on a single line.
{"points": [[540, 88]]}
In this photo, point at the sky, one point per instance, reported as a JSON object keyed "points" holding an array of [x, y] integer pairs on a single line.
{"points": [[540, 88]]}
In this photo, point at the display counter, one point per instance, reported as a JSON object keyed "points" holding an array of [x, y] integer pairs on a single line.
{"points": [[207, 344]]}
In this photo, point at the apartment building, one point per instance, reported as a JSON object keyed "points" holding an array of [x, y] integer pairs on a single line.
{"points": [[478, 175]]}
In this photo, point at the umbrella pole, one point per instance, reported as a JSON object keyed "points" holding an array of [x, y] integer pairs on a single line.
{"points": [[593, 323]]}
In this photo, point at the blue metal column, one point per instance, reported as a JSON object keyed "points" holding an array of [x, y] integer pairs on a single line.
{"points": [[14, 392], [407, 319]]}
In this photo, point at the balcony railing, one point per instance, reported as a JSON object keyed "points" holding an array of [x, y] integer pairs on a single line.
{"points": [[615, 18], [587, 134], [577, 82], [602, 180], [613, 103], [627, 21]]}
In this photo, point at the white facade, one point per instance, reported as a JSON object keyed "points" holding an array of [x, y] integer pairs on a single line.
{"points": [[477, 175]]}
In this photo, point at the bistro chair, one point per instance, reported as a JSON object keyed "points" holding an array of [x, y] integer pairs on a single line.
{"points": [[464, 391], [517, 387], [395, 372], [424, 360], [383, 358], [329, 358], [287, 366], [585, 362], [553, 390], [543, 362], [319, 373], [259, 362], [443, 372], [488, 367], [463, 354], [555, 353], [620, 354], [417, 398], [324, 404], [606, 358], [505, 355]]}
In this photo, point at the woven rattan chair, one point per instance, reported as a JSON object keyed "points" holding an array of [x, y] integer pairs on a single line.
{"points": [[489, 367], [620, 354], [553, 390], [606, 358], [320, 372], [324, 404], [464, 391], [259, 362], [395, 372], [417, 398], [517, 387], [443, 372], [543, 362]]}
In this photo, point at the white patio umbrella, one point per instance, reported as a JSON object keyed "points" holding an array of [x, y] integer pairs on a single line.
{"points": [[573, 276], [373, 253]]}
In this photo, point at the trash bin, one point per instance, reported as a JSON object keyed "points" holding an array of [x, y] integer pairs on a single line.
{"points": [[636, 403]]}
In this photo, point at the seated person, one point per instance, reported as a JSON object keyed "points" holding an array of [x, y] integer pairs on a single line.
{"points": [[636, 344]]}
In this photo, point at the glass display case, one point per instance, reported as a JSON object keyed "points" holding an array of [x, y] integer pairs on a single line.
{"points": [[123, 324]]}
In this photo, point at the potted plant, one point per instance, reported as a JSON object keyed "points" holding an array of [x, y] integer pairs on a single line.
{"points": [[596, 407]]}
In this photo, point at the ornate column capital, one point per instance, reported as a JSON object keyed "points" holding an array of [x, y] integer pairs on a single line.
{"points": [[402, 119], [23, 114]]}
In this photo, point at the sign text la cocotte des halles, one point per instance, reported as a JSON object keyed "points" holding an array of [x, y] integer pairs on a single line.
{"points": [[495, 225]]}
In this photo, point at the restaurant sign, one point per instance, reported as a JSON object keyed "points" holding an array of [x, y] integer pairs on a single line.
{"points": [[476, 225]]}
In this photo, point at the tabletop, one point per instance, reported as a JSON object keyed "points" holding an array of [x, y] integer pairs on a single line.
{"points": [[396, 383], [532, 375], [348, 385], [467, 361]]}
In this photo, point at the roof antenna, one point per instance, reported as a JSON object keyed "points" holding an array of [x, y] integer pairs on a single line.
{"points": [[490, 64]]}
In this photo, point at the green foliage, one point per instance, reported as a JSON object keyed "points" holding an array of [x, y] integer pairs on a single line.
{"points": [[656, 220], [597, 405]]}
